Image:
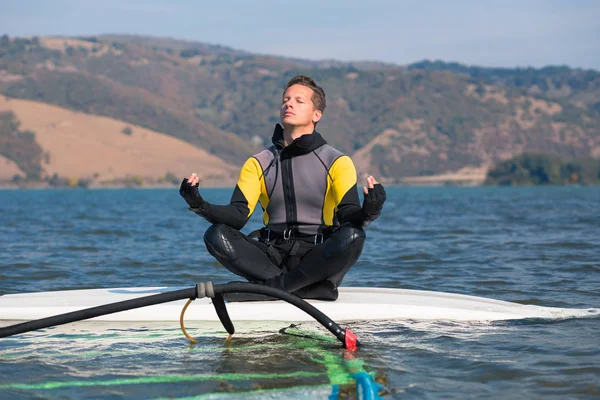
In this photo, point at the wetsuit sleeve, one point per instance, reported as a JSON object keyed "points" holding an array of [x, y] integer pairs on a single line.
{"points": [[348, 208], [243, 200]]}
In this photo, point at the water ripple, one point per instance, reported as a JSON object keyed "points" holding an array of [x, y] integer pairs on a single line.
{"points": [[529, 245]]}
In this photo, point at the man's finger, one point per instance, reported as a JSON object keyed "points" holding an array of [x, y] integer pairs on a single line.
{"points": [[370, 182], [365, 190]]}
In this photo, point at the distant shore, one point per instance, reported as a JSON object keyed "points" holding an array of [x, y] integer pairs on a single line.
{"points": [[467, 176], [93, 186]]}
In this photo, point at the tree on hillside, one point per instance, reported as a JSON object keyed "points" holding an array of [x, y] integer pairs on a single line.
{"points": [[20, 146], [544, 169]]}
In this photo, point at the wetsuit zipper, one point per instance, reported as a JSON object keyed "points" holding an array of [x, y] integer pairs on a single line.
{"points": [[287, 178]]}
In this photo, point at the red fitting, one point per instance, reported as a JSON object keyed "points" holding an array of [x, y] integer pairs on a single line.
{"points": [[350, 340]]}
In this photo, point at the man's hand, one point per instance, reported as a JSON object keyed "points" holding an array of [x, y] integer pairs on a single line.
{"points": [[374, 197], [189, 191]]}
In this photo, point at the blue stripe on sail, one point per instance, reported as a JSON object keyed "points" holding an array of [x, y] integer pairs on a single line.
{"points": [[335, 392], [366, 387]]}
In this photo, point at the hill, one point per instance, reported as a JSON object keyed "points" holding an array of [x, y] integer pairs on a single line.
{"points": [[101, 150], [420, 120]]}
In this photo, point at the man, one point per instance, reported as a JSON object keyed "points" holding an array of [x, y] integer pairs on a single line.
{"points": [[313, 220]]}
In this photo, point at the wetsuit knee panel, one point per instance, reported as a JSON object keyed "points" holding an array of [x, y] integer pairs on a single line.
{"points": [[218, 243], [347, 240]]}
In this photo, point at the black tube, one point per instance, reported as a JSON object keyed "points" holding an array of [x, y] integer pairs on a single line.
{"points": [[98, 311], [242, 287], [222, 313], [191, 293]]}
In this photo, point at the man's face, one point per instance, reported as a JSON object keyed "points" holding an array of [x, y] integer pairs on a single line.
{"points": [[297, 108]]}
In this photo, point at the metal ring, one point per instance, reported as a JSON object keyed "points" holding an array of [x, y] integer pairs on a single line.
{"points": [[317, 236]]}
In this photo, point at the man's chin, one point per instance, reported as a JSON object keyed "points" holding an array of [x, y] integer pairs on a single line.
{"points": [[292, 123], [287, 124]]}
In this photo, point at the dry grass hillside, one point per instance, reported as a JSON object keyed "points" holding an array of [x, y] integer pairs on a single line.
{"points": [[84, 146]]}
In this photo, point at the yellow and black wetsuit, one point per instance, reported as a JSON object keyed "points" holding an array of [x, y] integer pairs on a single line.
{"points": [[313, 219], [303, 188]]}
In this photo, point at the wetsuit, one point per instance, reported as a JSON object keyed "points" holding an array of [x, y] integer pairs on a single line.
{"points": [[313, 219]]}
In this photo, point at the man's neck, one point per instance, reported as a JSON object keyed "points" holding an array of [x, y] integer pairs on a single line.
{"points": [[291, 133]]}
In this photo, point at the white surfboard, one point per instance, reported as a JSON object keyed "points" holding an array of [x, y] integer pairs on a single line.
{"points": [[353, 304]]}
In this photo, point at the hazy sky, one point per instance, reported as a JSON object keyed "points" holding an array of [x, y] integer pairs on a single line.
{"points": [[489, 33]]}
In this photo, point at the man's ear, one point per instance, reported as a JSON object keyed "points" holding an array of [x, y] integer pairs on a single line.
{"points": [[317, 116]]}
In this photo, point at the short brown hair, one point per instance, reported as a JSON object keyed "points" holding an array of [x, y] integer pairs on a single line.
{"points": [[318, 96]]}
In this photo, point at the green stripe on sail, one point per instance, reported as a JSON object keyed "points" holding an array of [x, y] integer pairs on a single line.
{"points": [[157, 379]]}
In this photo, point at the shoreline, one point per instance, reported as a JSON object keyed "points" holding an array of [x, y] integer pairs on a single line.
{"points": [[176, 187]]}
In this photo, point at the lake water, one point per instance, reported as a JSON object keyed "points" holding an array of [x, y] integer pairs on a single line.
{"points": [[538, 245]]}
